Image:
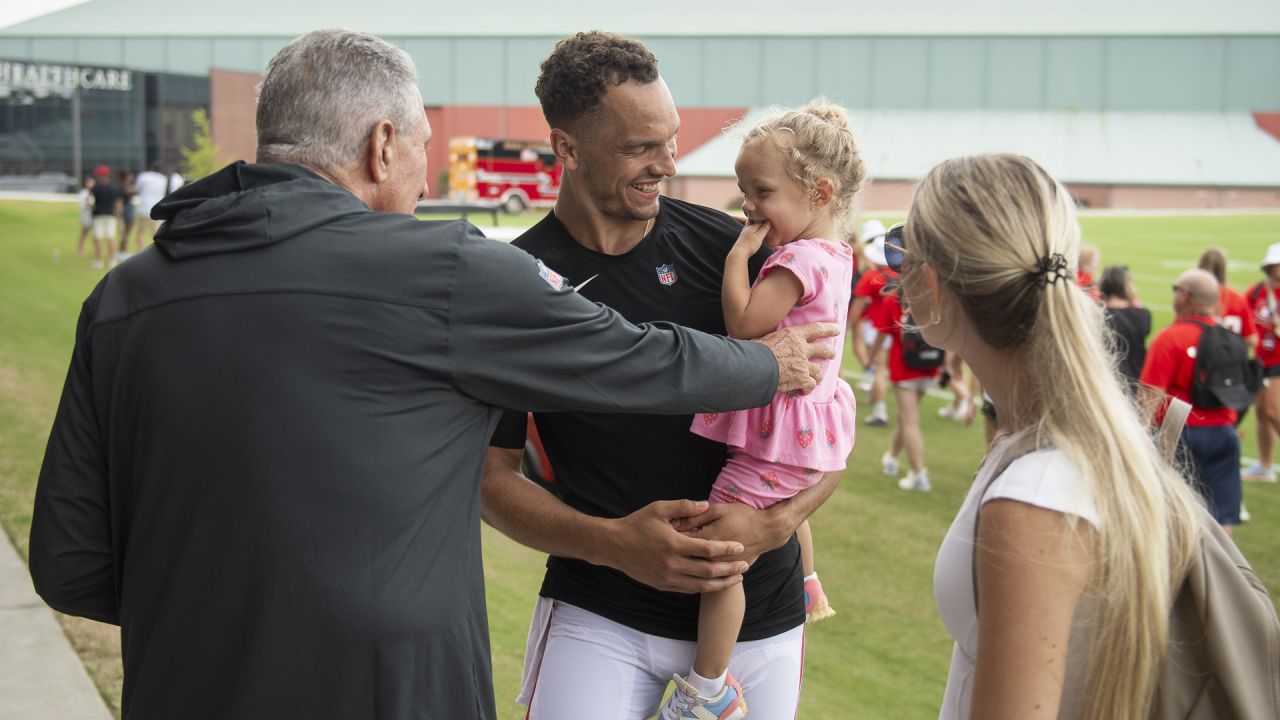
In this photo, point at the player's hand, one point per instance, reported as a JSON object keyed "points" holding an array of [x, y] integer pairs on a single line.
{"points": [[650, 550], [753, 529]]}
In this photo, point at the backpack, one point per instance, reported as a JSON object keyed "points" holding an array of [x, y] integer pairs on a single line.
{"points": [[916, 353], [1224, 635], [1224, 376]]}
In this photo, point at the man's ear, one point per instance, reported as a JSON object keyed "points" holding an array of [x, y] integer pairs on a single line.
{"points": [[565, 147], [380, 151]]}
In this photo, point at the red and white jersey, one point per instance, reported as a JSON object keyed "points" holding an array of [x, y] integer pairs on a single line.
{"points": [[1235, 313]]}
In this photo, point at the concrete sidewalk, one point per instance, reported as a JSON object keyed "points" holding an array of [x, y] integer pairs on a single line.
{"points": [[40, 675]]}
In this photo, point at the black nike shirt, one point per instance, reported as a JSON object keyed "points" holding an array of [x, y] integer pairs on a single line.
{"points": [[609, 465]]}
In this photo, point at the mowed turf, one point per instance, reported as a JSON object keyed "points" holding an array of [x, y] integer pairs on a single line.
{"points": [[885, 654]]}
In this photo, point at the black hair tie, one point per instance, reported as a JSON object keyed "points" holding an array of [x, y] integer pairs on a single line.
{"points": [[1050, 269]]}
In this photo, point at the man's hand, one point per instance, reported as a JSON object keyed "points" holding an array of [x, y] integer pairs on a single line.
{"points": [[794, 347], [649, 549], [754, 529], [760, 531]]}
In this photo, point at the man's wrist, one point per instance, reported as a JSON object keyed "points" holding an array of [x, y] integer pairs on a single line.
{"points": [[778, 523], [598, 540]]}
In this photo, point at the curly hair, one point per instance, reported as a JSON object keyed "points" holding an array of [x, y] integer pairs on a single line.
{"points": [[816, 141], [576, 75]]}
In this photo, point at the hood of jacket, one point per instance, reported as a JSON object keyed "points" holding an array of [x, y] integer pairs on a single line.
{"points": [[245, 206]]}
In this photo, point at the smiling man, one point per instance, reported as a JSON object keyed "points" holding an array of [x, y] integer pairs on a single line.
{"points": [[616, 618]]}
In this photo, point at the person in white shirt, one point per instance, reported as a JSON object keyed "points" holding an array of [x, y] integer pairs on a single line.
{"points": [[85, 201], [151, 186], [1079, 541], [175, 180]]}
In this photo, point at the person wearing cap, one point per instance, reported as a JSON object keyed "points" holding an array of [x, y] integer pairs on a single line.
{"points": [[867, 309], [1209, 438], [108, 204], [1262, 301]]}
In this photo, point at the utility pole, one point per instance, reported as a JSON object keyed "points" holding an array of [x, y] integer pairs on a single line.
{"points": [[77, 169]]}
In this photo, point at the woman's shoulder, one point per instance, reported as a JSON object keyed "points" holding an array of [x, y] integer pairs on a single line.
{"points": [[1047, 478]]}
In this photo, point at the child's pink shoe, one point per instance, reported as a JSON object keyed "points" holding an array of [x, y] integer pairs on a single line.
{"points": [[816, 606]]}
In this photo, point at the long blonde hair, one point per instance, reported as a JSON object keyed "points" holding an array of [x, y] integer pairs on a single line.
{"points": [[1002, 235]]}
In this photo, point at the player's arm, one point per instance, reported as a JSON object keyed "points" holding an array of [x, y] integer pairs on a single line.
{"points": [[644, 545], [1157, 374]]}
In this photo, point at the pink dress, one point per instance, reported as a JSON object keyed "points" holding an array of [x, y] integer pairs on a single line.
{"points": [[813, 431]]}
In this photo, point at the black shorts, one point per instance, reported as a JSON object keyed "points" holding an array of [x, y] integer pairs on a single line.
{"points": [[1273, 371]]}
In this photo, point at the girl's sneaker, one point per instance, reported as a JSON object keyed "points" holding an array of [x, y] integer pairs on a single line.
{"points": [[686, 703], [816, 606]]}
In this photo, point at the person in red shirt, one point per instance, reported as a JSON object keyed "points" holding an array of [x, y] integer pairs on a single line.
{"points": [[909, 387], [867, 310], [1209, 440], [1262, 300], [1233, 310]]}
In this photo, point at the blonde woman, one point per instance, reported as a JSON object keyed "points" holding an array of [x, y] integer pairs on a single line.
{"points": [[1080, 543]]}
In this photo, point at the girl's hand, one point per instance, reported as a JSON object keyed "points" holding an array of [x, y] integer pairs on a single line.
{"points": [[751, 237]]}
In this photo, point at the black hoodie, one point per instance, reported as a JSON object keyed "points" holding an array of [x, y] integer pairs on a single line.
{"points": [[265, 465]]}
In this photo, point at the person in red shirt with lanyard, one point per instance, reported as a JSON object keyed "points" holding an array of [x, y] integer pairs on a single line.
{"points": [[1262, 300], [1209, 440]]}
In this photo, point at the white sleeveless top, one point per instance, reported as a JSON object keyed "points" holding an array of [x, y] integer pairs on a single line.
{"points": [[1044, 478]]}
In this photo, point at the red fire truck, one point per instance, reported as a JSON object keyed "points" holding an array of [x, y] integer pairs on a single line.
{"points": [[511, 174]]}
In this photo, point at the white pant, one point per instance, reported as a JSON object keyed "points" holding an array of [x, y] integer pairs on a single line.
{"points": [[104, 227], [579, 664]]}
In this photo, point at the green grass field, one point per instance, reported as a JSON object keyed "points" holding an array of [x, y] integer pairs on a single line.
{"points": [[884, 656]]}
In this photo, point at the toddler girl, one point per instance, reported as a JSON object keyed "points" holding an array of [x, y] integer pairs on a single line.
{"points": [[798, 173]]}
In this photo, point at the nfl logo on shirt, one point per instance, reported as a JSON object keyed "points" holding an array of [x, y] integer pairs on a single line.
{"points": [[553, 278], [667, 274]]}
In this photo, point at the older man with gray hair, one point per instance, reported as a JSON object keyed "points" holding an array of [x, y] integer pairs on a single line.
{"points": [[265, 466], [1209, 440]]}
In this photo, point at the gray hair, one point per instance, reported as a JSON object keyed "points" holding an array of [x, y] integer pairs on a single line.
{"points": [[325, 91]]}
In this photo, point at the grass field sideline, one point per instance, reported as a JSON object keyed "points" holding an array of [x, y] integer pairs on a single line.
{"points": [[884, 656]]}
